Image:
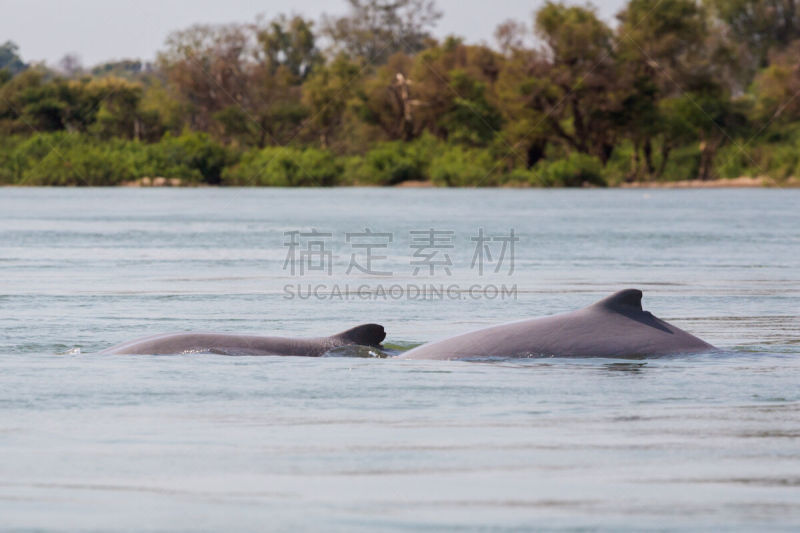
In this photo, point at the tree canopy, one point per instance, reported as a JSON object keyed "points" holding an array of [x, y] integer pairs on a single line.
{"points": [[673, 89]]}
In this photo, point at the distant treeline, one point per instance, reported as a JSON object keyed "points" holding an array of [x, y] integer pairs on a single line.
{"points": [[674, 90]]}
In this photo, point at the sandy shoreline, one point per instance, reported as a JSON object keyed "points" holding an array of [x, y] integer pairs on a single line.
{"points": [[722, 183], [742, 182]]}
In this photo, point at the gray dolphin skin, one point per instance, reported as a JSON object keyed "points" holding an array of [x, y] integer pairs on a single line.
{"points": [[616, 326], [218, 343]]}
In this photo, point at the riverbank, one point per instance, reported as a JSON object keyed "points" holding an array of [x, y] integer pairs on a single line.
{"points": [[194, 159], [721, 183]]}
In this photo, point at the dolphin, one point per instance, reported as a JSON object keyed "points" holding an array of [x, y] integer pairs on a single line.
{"points": [[219, 343], [616, 326]]}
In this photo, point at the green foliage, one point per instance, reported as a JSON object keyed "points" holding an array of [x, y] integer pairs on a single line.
{"points": [[457, 166], [677, 90], [62, 158], [290, 43], [520, 177], [733, 162], [783, 162], [576, 170], [377, 29], [10, 60], [81, 165], [285, 167], [574, 34], [683, 164], [191, 156], [776, 156], [471, 119], [117, 107], [65, 159], [393, 162], [387, 164], [11, 164], [127, 68], [621, 165], [761, 25], [328, 93]]}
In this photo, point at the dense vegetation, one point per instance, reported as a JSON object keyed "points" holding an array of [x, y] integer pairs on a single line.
{"points": [[676, 89]]}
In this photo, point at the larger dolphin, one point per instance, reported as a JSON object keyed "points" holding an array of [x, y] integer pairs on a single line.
{"points": [[220, 343], [616, 326]]}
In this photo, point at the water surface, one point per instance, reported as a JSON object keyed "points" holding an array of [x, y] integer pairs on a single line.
{"points": [[208, 443]]}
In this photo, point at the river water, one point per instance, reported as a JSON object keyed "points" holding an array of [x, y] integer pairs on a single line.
{"points": [[363, 442]]}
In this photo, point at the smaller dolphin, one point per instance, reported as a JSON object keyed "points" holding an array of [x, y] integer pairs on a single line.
{"points": [[616, 326], [219, 343]]}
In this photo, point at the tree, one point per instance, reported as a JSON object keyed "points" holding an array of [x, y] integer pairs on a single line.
{"points": [[386, 100], [290, 43], [274, 106], [33, 101], [12, 100], [759, 25], [160, 111], [579, 93], [127, 68], [118, 114], [377, 29], [526, 130], [776, 88], [660, 45], [230, 86], [453, 92], [328, 93], [70, 65], [10, 60], [210, 69]]}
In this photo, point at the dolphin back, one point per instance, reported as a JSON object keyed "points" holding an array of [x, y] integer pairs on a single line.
{"points": [[615, 326], [363, 335], [227, 344]]}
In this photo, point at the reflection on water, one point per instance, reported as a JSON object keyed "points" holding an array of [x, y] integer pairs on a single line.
{"points": [[360, 441], [625, 367]]}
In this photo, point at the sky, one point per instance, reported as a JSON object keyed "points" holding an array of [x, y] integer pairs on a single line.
{"points": [[104, 30]]}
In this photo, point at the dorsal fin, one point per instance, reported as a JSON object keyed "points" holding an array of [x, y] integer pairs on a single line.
{"points": [[628, 299], [364, 335]]}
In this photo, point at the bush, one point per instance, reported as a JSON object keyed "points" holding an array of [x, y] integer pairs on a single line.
{"points": [[81, 164], [11, 163], [776, 155], [620, 165], [388, 163], [79, 159], [576, 170], [732, 162], [460, 167], [519, 177], [783, 162], [63, 158], [683, 164], [285, 167], [191, 157]]}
